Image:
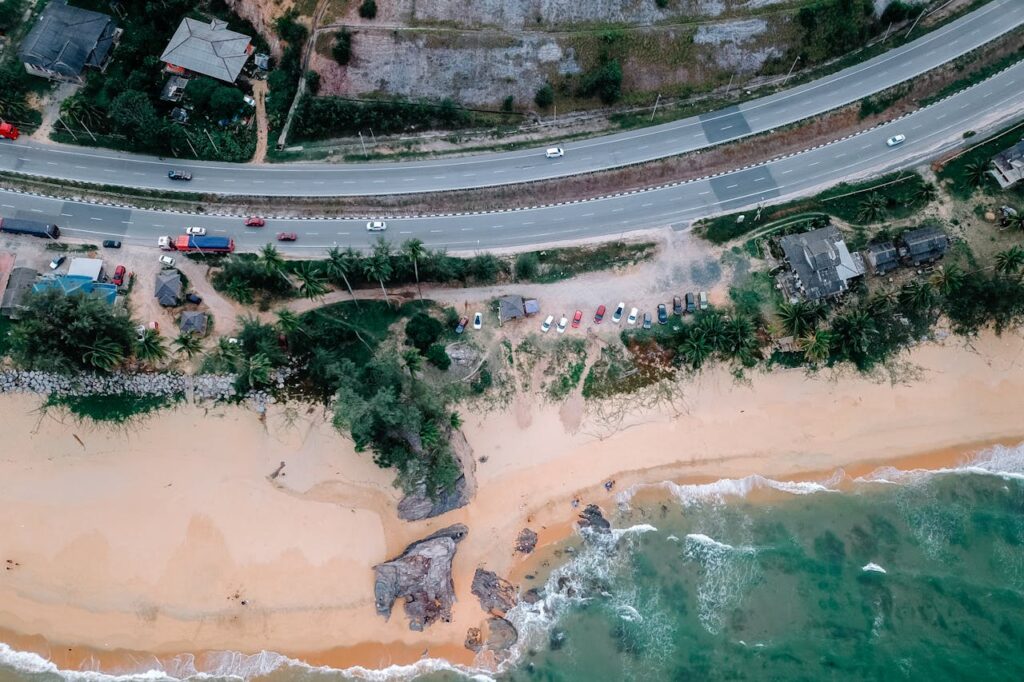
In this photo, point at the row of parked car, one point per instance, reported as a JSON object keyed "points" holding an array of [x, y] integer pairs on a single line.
{"points": [[689, 303]]}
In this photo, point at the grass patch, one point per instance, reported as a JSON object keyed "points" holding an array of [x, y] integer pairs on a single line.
{"points": [[955, 173], [558, 264], [112, 409], [567, 364], [6, 327]]}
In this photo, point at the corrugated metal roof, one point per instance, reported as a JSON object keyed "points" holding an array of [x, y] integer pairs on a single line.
{"points": [[66, 39], [210, 49]]}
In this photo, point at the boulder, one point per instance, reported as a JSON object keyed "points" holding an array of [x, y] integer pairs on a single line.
{"points": [[418, 505], [593, 519], [532, 596], [501, 634], [526, 542], [474, 639], [494, 593], [422, 575]]}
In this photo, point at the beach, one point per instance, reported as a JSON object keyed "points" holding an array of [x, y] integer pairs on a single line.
{"points": [[172, 536]]}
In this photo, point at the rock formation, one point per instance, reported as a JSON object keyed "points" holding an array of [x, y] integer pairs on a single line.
{"points": [[418, 505], [593, 519], [494, 593], [526, 542], [422, 575]]}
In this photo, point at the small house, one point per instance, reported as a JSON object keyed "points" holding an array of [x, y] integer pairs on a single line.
{"points": [[19, 283], [820, 264], [174, 88], [923, 245], [92, 268], [168, 288], [1008, 165], [84, 285], [882, 257], [207, 48], [193, 322], [65, 40]]}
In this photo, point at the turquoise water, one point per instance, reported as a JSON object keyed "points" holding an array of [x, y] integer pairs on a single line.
{"points": [[902, 575]]}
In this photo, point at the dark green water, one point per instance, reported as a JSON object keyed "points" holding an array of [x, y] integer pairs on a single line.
{"points": [[706, 585]]}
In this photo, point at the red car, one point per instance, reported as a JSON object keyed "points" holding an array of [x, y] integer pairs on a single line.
{"points": [[599, 315], [577, 318], [118, 278], [287, 236], [253, 221]]}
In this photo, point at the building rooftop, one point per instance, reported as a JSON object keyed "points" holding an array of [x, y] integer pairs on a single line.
{"points": [[820, 262], [19, 283], [78, 284], [925, 243], [86, 267], [66, 39], [193, 321], [208, 48], [168, 288]]}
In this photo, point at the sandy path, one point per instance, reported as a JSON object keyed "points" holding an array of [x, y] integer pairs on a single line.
{"points": [[259, 93]]}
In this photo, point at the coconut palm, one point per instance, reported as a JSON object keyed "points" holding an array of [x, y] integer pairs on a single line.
{"points": [[975, 173], [917, 295], [272, 260], [852, 333], [412, 360], [816, 345], [872, 209], [288, 322], [414, 251], [378, 266], [1010, 261], [339, 264], [1016, 221], [926, 193], [188, 344], [80, 111], [312, 283], [712, 327], [800, 317], [948, 279], [104, 354], [739, 340], [150, 348], [696, 349], [240, 291], [255, 370]]}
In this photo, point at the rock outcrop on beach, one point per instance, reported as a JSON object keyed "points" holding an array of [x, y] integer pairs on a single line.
{"points": [[422, 575], [592, 518], [419, 505], [495, 594], [526, 542], [501, 635]]}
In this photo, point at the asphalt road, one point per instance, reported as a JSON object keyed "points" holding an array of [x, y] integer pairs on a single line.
{"points": [[852, 84], [929, 132]]}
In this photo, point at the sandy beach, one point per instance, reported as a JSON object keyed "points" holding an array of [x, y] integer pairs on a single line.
{"points": [[171, 536]]}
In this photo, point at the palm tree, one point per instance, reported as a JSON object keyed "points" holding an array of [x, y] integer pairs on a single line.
{"points": [[975, 173], [948, 280], [1016, 221], [917, 295], [853, 332], [414, 251], [413, 361], [712, 327], [312, 283], [288, 322], [816, 345], [272, 260], [1010, 261], [104, 354], [256, 370], [80, 111], [926, 193], [872, 209], [696, 349], [240, 291], [378, 266], [800, 317], [188, 344], [739, 340], [150, 348], [339, 264]]}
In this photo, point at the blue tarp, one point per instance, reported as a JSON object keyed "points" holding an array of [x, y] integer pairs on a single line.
{"points": [[78, 284]]}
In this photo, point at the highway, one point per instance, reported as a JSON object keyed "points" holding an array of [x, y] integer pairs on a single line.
{"points": [[929, 132], [323, 179]]}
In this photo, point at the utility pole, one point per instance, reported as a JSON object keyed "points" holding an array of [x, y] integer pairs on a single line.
{"points": [[655, 106], [85, 126], [67, 128], [373, 137], [921, 14], [791, 70], [210, 137], [886, 36], [189, 140], [729, 87], [362, 143]]}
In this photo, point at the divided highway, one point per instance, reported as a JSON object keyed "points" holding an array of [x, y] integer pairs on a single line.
{"points": [[923, 54], [929, 132]]}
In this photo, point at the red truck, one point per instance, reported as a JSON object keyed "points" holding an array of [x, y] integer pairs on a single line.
{"points": [[188, 243], [8, 131]]}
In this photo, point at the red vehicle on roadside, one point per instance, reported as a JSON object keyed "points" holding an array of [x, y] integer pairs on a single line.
{"points": [[576, 319], [599, 315], [253, 221], [118, 277], [287, 236], [8, 131]]}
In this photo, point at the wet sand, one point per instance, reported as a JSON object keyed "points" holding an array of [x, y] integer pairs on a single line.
{"points": [[150, 538]]}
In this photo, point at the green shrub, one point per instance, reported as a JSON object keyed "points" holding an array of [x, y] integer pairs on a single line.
{"points": [[662, 4], [508, 103], [342, 49], [438, 357], [312, 82], [483, 381], [368, 10], [545, 96], [422, 331], [604, 82], [290, 30], [527, 265]]}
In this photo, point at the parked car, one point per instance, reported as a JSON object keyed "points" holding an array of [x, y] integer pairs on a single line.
{"points": [[179, 175], [111, 244], [167, 261], [677, 305], [57, 262], [662, 314], [376, 226], [576, 319], [647, 320], [632, 316], [461, 326], [562, 324], [554, 152], [599, 315], [546, 324], [691, 303], [253, 221], [478, 321], [194, 298], [703, 300], [118, 277], [196, 231], [287, 236], [617, 315], [896, 140]]}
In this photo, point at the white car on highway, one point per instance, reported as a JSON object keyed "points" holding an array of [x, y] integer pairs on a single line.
{"points": [[632, 316], [196, 231], [554, 152], [895, 140], [546, 324], [376, 226]]}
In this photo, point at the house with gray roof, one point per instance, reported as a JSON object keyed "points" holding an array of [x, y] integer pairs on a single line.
{"points": [[820, 264], [1008, 165], [19, 284], [882, 257], [209, 49], [193, 321], [168, 288], [66, 40], [923, 245]]}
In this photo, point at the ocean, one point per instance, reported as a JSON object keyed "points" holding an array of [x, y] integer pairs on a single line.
{"points": [[915, 575]]}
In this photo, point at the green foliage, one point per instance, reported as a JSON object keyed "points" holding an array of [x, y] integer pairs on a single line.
{"points": [[527, 265], [115, 409], [508, 104], [132, 114], [966, 172], [242, 276], [10, 14], [661, 4], [325, 117], [14, 86], [485, 268], [898, 11], [437, 356], [545, 96], [312, 82], [831, 28], [422, 331], [290, 30], [342, 48], [368, 9], [604, 82], [59, 333], [482, 382]]}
